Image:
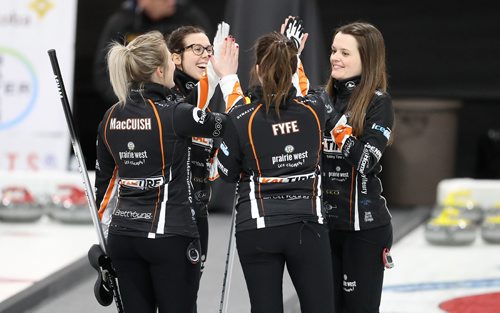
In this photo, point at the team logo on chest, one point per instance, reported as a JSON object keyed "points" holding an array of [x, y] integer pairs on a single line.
{"points": [[289, 149]]}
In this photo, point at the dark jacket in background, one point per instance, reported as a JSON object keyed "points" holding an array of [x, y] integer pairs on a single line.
{"points": [[127, 23]]}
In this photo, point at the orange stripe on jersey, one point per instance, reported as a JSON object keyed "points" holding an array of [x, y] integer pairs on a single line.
{"points": [[107, 195], [203, 92], [317, 123], [235, 95], [250, 122], [303, 80], [319, 145], [160, 130]]}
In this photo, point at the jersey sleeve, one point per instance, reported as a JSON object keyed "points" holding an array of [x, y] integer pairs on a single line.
{"points": [[190, 121], [300, 80], [217, 103], [365, 152], [201, 95], [229, 155], [231, 91], [217, 95], [319, 98]]}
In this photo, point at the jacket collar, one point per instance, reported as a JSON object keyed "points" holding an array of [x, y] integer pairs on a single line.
{"points": [[346, 86], [256, 94], [150, 90], [184, 83]]}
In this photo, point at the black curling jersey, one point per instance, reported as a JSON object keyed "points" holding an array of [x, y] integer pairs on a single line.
{"points": [[352, 190], [275, 159], [202, 149], [143, 161]]}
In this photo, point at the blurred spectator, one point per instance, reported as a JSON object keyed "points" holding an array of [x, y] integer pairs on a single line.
{"points": [[136, 17]]}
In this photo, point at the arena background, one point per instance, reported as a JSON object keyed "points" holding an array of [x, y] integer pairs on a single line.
{"points": [[443, 65]]}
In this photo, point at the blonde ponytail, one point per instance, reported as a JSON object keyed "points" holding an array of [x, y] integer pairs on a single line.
{"points": [[117, 58], [136, 62]]}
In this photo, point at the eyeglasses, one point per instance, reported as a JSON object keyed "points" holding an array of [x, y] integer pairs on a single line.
{"points": [[198, 49]]}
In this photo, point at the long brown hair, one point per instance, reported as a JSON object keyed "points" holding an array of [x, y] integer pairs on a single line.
{"points": [[374, 76], [276, 57]]}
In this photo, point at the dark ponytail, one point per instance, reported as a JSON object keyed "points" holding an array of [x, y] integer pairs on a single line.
{"points": [[276, 57]]}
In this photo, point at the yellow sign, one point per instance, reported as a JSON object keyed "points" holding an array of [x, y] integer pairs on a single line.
{"points": [[41, 7]]}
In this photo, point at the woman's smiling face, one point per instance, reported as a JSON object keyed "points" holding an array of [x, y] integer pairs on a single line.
{"points": [[190, 63], [345, 59]]}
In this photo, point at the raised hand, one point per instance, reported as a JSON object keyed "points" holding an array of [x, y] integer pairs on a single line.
{"points": [[293, 29], [222, 32], [226, 63]]}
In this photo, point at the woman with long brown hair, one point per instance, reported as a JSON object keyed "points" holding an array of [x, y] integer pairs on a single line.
{"points": [[357, 213]]}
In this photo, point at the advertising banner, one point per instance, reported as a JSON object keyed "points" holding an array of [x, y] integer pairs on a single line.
{"points": [[33, 131]]}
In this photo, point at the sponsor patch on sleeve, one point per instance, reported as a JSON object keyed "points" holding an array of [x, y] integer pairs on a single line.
{"points": [[224, 148], [384, 130]]}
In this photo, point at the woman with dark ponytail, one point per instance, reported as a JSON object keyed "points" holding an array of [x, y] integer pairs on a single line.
{"points": [[272, 149]]}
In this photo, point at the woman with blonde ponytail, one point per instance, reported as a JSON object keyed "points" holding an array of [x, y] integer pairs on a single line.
{"points": [[143, 157]]}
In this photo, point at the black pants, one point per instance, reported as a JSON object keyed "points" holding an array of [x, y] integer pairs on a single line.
{"points": [[305, 248], [202, 222], [154, 273], [358, 269]]}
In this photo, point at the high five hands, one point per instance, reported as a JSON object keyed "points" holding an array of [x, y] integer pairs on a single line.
{"points": [[227, 62], [293, 29]]}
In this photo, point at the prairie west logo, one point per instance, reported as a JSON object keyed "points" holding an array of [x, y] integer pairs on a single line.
{"points": [[18, 87]]}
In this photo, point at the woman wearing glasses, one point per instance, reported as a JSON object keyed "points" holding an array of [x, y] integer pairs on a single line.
{"points": [[191, 50]]}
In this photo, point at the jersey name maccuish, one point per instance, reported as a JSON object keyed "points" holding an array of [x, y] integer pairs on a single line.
{"points": [[144, 159], [276, 161], [352, 190]]}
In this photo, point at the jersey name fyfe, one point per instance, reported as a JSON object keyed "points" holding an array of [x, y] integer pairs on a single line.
{"points": [[285, 128]]}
